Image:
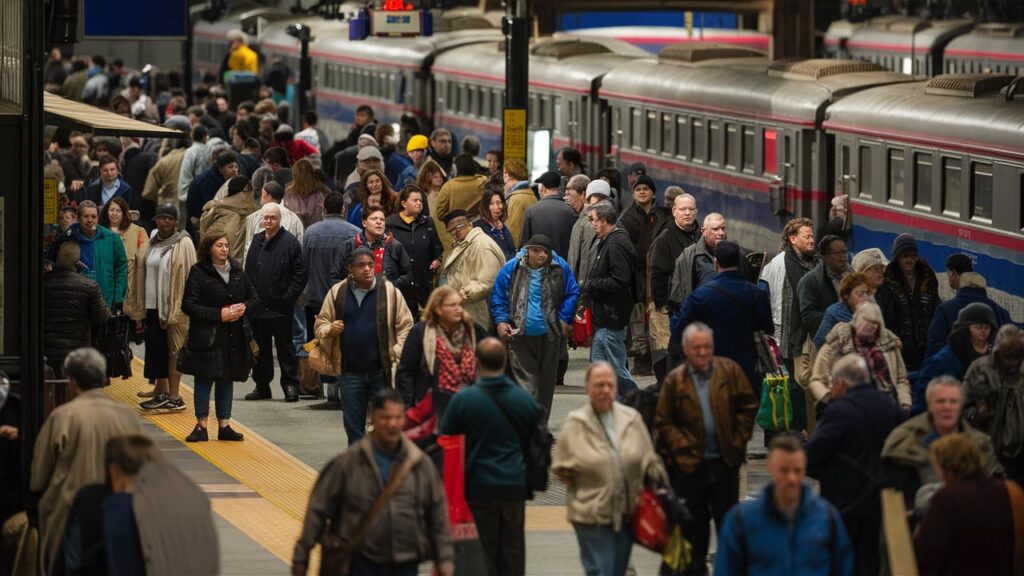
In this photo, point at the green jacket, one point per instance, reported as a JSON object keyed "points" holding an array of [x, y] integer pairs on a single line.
{"points": [[110, 266]]}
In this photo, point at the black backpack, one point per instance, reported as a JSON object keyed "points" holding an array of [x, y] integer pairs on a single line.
{"points": [[536, 445]]}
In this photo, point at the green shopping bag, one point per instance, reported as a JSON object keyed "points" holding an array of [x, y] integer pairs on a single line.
{"points": [[776, 411]]}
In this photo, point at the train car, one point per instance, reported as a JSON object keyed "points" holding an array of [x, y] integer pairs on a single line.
{"points": [[742, 135], [654, 38], [209, 39], [905, 44], [565, 74], [943, 159], [836, 37], [989, 48]]}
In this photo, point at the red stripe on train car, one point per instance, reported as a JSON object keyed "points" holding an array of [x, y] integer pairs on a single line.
{"points": [[945, 228], [925, 140]]}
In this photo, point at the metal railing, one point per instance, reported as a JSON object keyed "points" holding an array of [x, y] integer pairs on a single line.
{"points": [[11, 52]]}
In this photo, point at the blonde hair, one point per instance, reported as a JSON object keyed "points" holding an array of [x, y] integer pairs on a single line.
{"points": [[957, 455], [432, 311]]}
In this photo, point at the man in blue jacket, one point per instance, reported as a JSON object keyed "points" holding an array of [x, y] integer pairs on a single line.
{"points": [[970, 289], [533, 303], [789, 531], [734, 309]]}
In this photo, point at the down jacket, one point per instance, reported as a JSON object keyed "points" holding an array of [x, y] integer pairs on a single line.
{"points": [[278, 272], [908, 310], [513, 284], [840, 343], [73, 309], [610, 285]]}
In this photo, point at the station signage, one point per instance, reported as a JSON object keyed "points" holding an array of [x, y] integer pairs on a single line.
{"points": [[396, 22]]}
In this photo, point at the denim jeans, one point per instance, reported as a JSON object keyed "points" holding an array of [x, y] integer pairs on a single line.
{"points": [[610, 345], [356, 391], [604, 552], [222, 398], [299, 331]]}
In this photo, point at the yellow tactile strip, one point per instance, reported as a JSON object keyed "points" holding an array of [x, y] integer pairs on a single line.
{"points": [[266, 524]]}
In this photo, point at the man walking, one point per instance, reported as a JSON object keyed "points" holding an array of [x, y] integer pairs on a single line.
{"points": [[582, 240], [471, 266], [412, 524], [551, 216], [695, 265], [675, 237], [494, 414], [704, 418], [275, 267], [389, 257], [533, 304]]}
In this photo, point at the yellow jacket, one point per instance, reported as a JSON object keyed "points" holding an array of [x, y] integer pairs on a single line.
{"points": [[244, 59]]}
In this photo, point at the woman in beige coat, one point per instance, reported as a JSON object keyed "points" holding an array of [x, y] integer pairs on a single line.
{"points": [[866, 336], [604, 455]]}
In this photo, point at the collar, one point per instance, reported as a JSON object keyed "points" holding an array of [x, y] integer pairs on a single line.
{"points": [[768, 500], [114, 186], [355, 286]]}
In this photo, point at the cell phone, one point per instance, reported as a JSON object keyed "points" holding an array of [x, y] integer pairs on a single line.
{"points": [[133, 215]]}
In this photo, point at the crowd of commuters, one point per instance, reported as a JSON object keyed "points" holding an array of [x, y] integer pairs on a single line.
{"points": [[416, 274]]}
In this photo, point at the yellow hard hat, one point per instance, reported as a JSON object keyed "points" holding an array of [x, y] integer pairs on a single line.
{"points": [[417, 142]]}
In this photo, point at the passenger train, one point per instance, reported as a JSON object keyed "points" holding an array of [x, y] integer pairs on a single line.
{"points": [[757, 140]]}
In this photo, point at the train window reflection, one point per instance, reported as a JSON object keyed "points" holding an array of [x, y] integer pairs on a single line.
{"points": [[700, 138], [635, 126], [897, 176], [952, 179], [666, 133], [653, 132], [923, 181], [732, 146], [865, 175], [748, 149], [682, 138], [981, 191], [715, 142]]}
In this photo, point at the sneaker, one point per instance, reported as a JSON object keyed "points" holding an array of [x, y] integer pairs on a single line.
{"points": [[159, 401], [225, 433], [198, 435], [258, 394], [176, 404]]}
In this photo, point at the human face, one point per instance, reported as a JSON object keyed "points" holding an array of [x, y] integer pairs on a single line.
{"points": [[876, 275], [867, 331], [601, 227], [787, 471], [944, 408], [222, 105], [108, 173], [67, 219], [219, 251], [601, 388], [89, 219], [362, 118], [413, 205], [442, 144], [493, 164], [114, 215], [980, 334], [437, 180], [575, 199], [165, 226], [953, 278], [374, 226], [79, 147], [698, 350], [229, 171], [643, 195], [459, 228], [564, 168], [388, 423], [684, 211], [236, 140], [858, 296], [803, 240], [271, 221], [714, 232], [361, 270], [496, 208], [374, 184], [451, 312], [907, 261], [836, 257], [417, 156], [536, 257]]}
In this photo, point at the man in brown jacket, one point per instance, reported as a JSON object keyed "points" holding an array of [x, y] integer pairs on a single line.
{"points": [[705, 417], [229, 215], [410, 528], [462, 192]]}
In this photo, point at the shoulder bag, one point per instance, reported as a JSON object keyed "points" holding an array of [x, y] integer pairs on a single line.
{"points": [[536, 445]]}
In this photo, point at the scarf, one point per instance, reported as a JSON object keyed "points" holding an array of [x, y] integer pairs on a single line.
{"points": [[877, 366], [796, 267], [378, 246], [165, 247], [452, 375]]}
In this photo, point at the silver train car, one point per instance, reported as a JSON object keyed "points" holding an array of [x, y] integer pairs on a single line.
{"points": [[907, 45], [996, 48]]}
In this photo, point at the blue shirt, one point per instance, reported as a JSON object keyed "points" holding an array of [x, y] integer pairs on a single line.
{"points": [[106, 194], [702, 382], [535, 324], [384, 462]]}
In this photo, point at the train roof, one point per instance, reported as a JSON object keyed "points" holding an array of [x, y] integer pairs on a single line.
{"points": [[793, 91], [275, 35], [903, 34], [961, 110], [841, 30], [410, 53], [990, 41], [673, 34], [563, 63]]}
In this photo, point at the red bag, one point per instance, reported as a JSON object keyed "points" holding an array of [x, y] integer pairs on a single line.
{"points": [[420, 421], [582, 328], [650, 523]]}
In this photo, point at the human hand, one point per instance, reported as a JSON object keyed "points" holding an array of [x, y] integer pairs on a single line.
{"points": [[9, 432], [504, 331], [337, 327], [435, 264], [566, 475], [76, 185], [232, 313], [566, 329]]}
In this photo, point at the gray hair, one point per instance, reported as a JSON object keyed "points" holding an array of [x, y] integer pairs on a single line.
{"points": [[87, 367], [682, 194], [851, 369], [87, 204], [594, 366], [697, 328], [712, 217], [438, 131], [605, 212], [578, 183], [671, 193], [942, 381]]}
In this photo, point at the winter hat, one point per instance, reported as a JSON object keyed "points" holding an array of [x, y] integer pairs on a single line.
{"points": [[539, 241], [903, 243], [645, 179], [868, 258], [976, 313], [599, 188], [417, 142], [368, 153], [637, 168], [549, 179], [168, 210], [179, 123]]}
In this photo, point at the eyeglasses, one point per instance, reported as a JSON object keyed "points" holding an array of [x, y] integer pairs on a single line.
{"points": [[455, 228]]}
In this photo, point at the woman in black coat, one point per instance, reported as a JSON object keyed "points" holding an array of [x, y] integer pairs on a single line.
{"points": [[418, 236], [218, 295]]}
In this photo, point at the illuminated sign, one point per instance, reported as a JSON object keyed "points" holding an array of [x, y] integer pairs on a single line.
{"points": [[396, 23]]}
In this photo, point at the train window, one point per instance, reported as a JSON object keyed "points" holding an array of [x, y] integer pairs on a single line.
{"points": [[770, 151], [700, 140], [463, 99], [533, 111], [557, 125], [473, 103], [635, 127], [682, 138], [923, 181], [981, 191], [545, 111], [865, 175], [485, 103], [666, 134], [897, 176], [732, 146], [715, 142], [747, 152], [499, 103], [653, 132], [952, 184]]}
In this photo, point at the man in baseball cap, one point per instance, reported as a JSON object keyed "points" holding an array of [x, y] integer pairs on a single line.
{"points": [[416, 150]]}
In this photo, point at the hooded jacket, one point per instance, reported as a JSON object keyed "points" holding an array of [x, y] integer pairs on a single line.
{"points": [[228, 216], [910, 311], [611, 285], [972, 289]]}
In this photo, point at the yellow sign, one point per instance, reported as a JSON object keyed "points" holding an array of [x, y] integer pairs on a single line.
{"points": [[49, 200], [514, 133], [689, 22]]}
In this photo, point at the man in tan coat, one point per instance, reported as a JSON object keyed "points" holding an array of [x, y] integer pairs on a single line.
{"points": [[69, 450], [471, 266], [229, 215], [460, 193], [162, 183], [518, 197]]}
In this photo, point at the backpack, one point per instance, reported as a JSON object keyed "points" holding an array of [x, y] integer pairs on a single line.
{"points": [[536, 445], [644, 401]]}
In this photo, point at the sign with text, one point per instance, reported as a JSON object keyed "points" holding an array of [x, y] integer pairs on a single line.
{"points": [[131, 19], [514, 133], [49, 200], [396, 23]]}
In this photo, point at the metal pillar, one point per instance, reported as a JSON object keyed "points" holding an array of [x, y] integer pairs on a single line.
{"points": [[517, 51]]}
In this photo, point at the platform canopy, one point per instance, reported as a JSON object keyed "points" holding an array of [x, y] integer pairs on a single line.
{"points": [[77, 116]]}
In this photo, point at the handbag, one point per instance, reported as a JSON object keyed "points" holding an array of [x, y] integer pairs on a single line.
{"points": [[335, 555], [775, 413], [582, 327], [318, 358], [650, 523]]}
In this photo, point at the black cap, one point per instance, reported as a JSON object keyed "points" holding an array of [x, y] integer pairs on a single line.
{"points": [[976, 313], [550, 179], [727, 253], [637, 168], [645, 179], [168, 210], [457, 213], [959, 263], [539, 241]]}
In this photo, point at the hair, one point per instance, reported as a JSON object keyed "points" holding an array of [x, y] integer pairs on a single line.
{"points": [[276, 155], [382, 397], [485, 203], [365, 109], [68, 255], [595, 365], [334, 203], [785, 443], [957, 455], [579, 183], [959, 263], [1008, 347], [465, 165], [247, 105], [251, 144], [87, 204], [490, 357], [516, 168], [673, 192], [612, 176], [697, 328], [470, 145], [129, 453], [367, 212], [849, 282], [98, 60], [572, 155], [868, 312], [793, 228], [605, 212], [178, 106], [236, 34], [87, 367], [206, 245], [388, 198], [197, 111], [264, 107], [382, 132], [225, 158], [305, 180], [426, 174], [123, 205], [498, 153], [438, 132], [825, 243], [199, 133], [310, 117], [274, 189], [358, 252], [107, 159], [432, 311], [851, 369], [941, 382]]}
